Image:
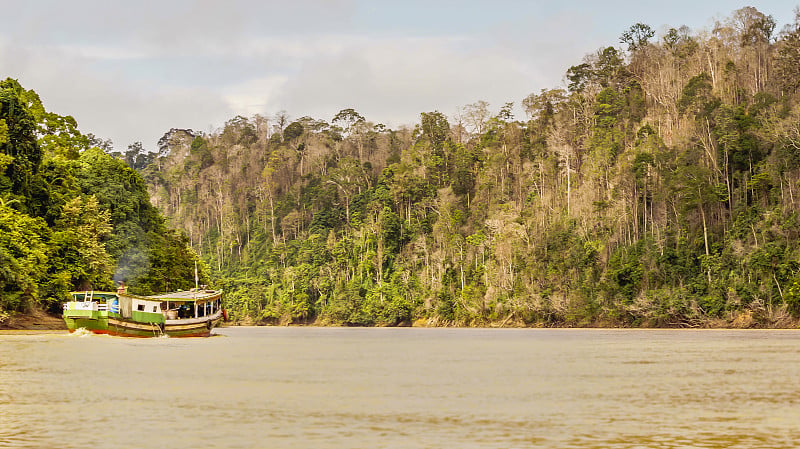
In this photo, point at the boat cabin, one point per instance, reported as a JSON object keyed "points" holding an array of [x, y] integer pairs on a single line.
{"points": [[90, 301], [195, 303]]}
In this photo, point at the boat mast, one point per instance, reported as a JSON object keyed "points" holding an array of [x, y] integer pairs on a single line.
{"points": [[196, 286]]}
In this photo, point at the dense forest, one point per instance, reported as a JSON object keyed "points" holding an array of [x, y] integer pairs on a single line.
{"points": [[72, 216], [657, 188]]}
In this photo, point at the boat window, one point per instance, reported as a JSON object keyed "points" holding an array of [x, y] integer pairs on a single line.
{"points": [[154, 308], [140, 308]]}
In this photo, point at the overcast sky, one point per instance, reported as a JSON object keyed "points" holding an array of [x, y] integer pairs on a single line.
{"points": [[131, 70]]}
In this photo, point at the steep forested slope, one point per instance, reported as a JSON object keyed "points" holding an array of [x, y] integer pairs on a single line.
{"points": [[72, 216], [660, 188]]}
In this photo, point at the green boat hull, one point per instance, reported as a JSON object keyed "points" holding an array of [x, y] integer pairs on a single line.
{"points": [[128, 328], [143, 318]]}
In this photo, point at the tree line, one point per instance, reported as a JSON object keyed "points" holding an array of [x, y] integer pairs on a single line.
{"points": [[657, 188], [73, 217]]}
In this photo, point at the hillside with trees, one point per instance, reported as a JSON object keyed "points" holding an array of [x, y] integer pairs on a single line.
{"points": [[73, 217], [658, 188]]}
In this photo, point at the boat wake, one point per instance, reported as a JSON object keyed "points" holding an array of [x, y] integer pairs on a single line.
{"points": [[81, 332]]}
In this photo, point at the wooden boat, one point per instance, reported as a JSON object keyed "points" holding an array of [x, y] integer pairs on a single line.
{"points": [[191, 313]]}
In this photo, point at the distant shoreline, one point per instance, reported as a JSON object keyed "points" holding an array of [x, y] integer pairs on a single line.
{"points": [[38, 320]]}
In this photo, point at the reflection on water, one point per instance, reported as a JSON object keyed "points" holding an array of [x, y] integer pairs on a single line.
{"points": [[409, 388]]}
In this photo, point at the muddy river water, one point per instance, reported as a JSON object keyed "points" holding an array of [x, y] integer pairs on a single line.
{"points": [[403, 388]]}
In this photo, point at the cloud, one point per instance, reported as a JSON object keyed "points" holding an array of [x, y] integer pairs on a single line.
{"points": [[254, 96], [132, 70], [393, 80], [141, 70], [97, 52], [108, 103]]}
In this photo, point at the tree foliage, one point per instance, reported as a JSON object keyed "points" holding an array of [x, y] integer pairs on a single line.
{"points": [[71, 215], [658, 188]]}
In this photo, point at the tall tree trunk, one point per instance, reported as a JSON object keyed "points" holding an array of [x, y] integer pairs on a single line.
{"points": [[705, 233]]}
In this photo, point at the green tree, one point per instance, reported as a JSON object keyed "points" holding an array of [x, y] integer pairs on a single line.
{"points": [[346, 119], [636, 36], [20, 142], [78, 257], [787, 59], [60, 136], [432, 144], [23, 259]]}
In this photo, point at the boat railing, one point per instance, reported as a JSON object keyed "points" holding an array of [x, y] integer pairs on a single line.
{"points": [[86, 305], [214, 316]]}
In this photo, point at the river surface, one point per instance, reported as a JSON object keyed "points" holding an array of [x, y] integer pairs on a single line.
{"points": [[403, 388]]}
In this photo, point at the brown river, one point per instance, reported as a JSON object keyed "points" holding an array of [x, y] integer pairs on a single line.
{"points": [[403, 388]]}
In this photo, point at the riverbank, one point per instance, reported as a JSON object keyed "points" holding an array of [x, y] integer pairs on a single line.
{"points": [[744, 319], [35, 320], [41, 320]]}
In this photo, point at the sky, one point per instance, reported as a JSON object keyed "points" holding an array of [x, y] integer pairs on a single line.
{"points": [[129, 71]]}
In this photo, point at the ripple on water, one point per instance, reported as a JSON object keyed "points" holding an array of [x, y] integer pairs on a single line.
{"points": [[300, 387]]}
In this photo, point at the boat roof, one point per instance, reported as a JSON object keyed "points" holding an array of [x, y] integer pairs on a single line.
{"points": [[188, 295], [94, 293]]}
